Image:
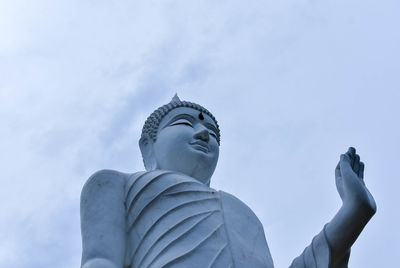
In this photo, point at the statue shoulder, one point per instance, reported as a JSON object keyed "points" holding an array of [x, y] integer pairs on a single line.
{"points": [[104, 177], [108, 180], [230, 198]]}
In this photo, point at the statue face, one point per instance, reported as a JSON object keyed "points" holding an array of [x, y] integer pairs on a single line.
{"points": [[186, 142]]}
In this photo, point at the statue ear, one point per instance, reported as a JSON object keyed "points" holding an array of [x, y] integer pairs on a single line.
{"points": [[146, 147]]}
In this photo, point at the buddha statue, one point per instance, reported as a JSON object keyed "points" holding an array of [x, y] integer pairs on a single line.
{"points": [[169, 216]]}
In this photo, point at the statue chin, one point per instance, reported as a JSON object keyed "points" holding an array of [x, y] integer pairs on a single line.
{"points": [[185, 159]]}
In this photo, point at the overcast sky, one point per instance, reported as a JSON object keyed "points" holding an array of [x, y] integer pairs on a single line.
{"points": [[292, 84]]}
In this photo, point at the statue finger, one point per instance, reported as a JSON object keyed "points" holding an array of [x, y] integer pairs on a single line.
{"points": [[356, 166], [345, 164], [337, 170], [350, 153], [361, 171]]}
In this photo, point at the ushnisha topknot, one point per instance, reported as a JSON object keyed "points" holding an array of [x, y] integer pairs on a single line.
{"points": [[153, 121]]}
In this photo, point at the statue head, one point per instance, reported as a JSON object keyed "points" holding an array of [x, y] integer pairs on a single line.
{"points": [[181, 136]]}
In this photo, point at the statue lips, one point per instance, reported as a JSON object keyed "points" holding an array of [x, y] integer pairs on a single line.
{"points": [[200, 145]]}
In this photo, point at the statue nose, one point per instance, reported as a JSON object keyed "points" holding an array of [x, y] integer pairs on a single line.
{"points": [[203, 135]]}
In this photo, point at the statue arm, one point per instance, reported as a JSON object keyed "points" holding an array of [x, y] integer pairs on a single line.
{"points": [[358, 205], [331, 247], [103, 220]]}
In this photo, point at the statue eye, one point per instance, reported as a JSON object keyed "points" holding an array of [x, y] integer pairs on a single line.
{"points": [[182, 122], [213, 134]]}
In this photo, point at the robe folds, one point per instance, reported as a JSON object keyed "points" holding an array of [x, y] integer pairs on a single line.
{"points": [[173, 220], [318, 254]]}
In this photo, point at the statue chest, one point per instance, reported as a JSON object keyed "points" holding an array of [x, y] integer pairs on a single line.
{"points": [[175, 221]]}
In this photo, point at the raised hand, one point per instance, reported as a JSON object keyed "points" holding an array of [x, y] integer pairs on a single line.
{"points": [[350, 184], [342, 231]]}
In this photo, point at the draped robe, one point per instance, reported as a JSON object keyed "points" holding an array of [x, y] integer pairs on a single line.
{"points": [[173, 220]]}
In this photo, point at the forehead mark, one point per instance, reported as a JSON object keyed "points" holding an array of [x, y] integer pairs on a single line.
{"points": [[201, 117]]}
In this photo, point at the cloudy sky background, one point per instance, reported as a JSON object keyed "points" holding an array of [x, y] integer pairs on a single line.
{"points": [[292, 83]]}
